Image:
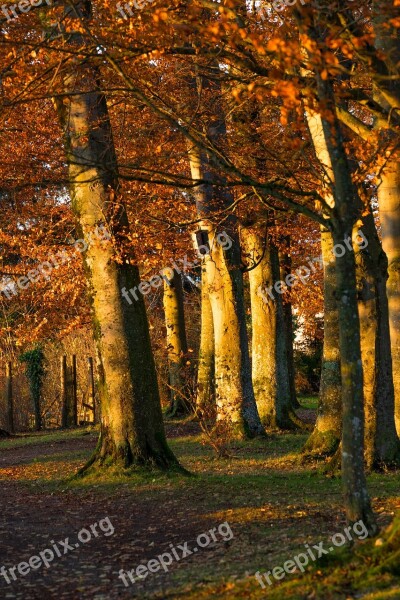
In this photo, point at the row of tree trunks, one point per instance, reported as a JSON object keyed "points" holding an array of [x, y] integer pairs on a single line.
{"points": [[381, 442], [236, 410]]}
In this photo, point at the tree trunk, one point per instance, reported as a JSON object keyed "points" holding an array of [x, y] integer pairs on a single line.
{"points": [[389, 211], [357, 500], [286, 267], [387, 41], [132, 430], [68, 393], [177, 347], [325, 438], [236, 406], [205, 396], [237, 414], [38, 415], [382, 446], [328, 428], [344, 216], [92, 393], [9, 398], [269, 350], [64, 393]]}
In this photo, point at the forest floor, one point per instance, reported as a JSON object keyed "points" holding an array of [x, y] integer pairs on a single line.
{"points": [[273, 502]]}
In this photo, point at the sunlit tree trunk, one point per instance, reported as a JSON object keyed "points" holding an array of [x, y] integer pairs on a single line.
{"points": [[269, 351], [177, 347], [237, 413], [325, 438], [389, 212], [387, 41], [132, 430], [205, 395]]}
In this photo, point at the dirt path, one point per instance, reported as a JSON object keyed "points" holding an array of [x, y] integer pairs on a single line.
{"points": [[272, 504], [32, 518]]}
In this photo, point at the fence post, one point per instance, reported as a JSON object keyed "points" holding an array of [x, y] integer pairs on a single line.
{"points": [[9, 397], [64, 391], [74, 393]]}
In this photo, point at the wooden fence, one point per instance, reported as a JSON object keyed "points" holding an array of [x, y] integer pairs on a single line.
{"points": [[69, 401]]}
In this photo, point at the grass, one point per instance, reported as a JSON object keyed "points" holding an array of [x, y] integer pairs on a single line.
{"points": [[44, 437], [309, 402], [273, 503]]}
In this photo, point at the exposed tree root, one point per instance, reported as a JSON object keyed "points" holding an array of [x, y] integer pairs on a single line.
{"points": [[157, 456], [321, 444]]}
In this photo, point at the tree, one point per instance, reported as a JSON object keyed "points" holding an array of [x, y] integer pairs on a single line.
{"points": [[132, 431], [235, 402], [205, 390], [177, 346], [344, 216], [269, 350]]}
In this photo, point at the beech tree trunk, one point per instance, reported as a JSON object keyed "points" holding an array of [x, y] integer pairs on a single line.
{"points": [[382, 446], [205, 395], [326, 435], [269, 350], [387, 41], [286, 266], [328, 428], [237, 414], [177, 347], [132, 430], [345, 213], [389, 212]]}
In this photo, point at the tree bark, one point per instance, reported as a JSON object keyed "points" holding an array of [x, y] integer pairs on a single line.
{"points": [[344, 215], [326, 435], [9, 397], [382, 446], [286, 266], [269, 351], [387, 41], [328, 428], [177, 347], [132, 430], [237, 414], [205, 395], [389, 212]]}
